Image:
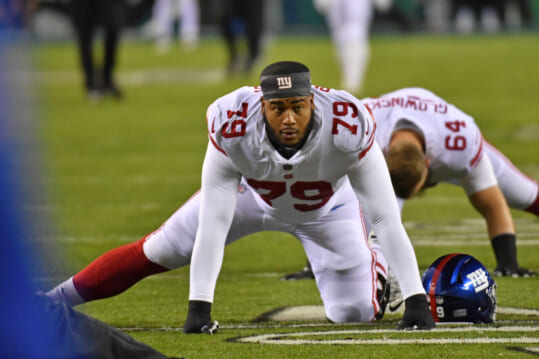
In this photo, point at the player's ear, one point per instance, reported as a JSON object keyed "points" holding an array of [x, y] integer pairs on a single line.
{"points": [[262, 104], [312, 101]]}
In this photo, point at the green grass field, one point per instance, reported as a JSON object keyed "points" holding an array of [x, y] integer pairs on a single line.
{"points": [[114, 171]]}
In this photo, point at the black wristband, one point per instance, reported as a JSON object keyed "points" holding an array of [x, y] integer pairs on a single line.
{"points": [[199, 307], [416, 301], [505, 250]]}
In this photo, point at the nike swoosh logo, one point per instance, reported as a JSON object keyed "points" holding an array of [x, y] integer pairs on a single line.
{"points": [[336, 207]]}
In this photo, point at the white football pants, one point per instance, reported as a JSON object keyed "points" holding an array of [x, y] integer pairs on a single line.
{"points": [[344, 265], [519, 190]]}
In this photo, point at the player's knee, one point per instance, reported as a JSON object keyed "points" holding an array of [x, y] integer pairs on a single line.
{"points": [[167, 252], [347, 313]]}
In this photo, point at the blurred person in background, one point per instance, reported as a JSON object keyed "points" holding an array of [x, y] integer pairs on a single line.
{"points": [[165, 13], [388, 11], [87, 17], [349, 24], [491, 15], [468, 16], [247, 17]]}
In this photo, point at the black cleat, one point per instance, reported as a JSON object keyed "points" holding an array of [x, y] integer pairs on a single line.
{"points": [[515, 272], [305, 273], [112, 91], [382, 295]]}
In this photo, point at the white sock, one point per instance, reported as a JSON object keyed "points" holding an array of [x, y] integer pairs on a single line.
{"points": [[66, 292]]}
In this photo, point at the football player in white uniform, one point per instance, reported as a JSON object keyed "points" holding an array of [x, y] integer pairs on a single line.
{"points": [[304, 159], [426, 141]]}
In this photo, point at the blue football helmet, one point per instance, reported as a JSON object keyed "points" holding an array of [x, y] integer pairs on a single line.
{"points": [[460, 289]]}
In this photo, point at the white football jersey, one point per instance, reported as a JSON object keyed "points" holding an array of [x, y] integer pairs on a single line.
{"points": [[302, 187], [453, 141]]}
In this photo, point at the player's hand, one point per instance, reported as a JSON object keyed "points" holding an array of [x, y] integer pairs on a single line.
{"points": [[416, 314], [514, 272], [199, 319]]}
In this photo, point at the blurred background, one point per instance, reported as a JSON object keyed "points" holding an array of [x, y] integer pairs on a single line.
{"points": [[107, 97], [103, 103], [300, 16]]}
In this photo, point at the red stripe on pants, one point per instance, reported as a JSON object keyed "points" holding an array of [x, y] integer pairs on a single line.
{"points": [[534, 208]]}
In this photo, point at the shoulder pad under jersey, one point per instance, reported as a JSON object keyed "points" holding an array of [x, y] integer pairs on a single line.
{"points": [[226, 116], [352, 124]]}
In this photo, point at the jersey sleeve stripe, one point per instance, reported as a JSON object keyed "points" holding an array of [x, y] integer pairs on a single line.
{"points": [[370, 111], [371, 141], [210, 128], [216, 145], [474, 160]]}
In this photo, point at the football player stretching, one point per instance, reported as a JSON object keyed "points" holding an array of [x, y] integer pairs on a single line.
{"points": [[427, 141], [283, 156]]}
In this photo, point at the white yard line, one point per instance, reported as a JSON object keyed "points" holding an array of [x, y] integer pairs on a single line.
{"points": [[278, 341], [283, 338], [514, 334], [157, 75]]}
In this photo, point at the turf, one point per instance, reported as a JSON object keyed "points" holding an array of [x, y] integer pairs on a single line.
{"points": [[114, 171]]}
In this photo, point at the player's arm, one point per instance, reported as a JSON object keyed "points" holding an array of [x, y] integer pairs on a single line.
{"points": [[372, 185], [487, 198], [220, 181]]}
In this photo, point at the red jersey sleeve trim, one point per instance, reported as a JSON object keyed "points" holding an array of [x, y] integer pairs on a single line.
{"points": [[371, 141], [212, 130], [216, 145], [474, 161]]}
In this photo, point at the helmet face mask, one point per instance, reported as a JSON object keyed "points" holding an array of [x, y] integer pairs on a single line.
{"points": [[460, 289]]}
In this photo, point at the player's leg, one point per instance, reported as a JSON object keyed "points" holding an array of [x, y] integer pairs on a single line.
{"points": [[227, 23], [167, 248], [108, 275], [84, 18], [189, 23], [118, 269], [349, 23], [162, 24], [349, 275], [171, 246], [520, 191], [112, 12], [253, 15]]}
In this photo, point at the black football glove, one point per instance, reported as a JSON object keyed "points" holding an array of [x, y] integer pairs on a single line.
{"points": [[416, 314], [510, 271], [199, 319], [505, 250]]}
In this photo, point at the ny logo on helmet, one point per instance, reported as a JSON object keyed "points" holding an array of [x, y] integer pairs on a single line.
{"points": [[284, 82], [478, 279]]}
